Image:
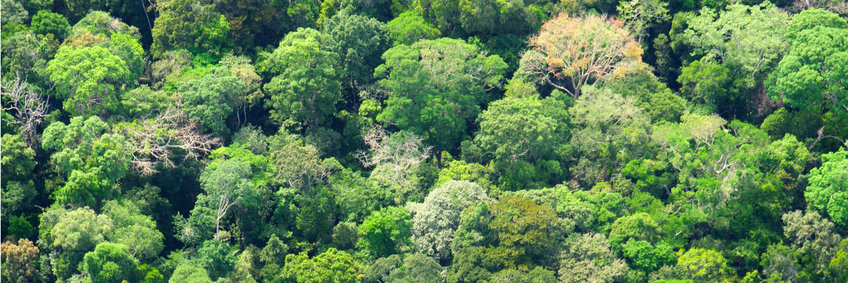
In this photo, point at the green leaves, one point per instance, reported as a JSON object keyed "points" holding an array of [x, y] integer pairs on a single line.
{"points": [[330, 266], [385, 232], [828, 186], [91, 159], [190, 24], [88, 79], [814, 72], [306, 86], [436, 86], [110, 263]]}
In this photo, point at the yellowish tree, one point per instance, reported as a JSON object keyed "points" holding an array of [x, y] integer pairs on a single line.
{"points": [[570, 52]]}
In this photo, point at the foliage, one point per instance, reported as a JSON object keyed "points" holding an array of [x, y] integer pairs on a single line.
{"points": [[20, 261], [587, 257], [435, 220], [827, 188], [331, 265], [811, 73], [570, 52], [110, 263], [190, 24], [361, 41], [385, 232], [410, 27], [306, 84], [435, 85], [92, 159], [88, 79]]}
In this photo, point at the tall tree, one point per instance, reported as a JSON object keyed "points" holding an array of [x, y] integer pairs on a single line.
{"points": [[571, 52], [92, 159], [88, 79], [435, 87], [306, 86], [435, 220], [828, 187], [813, 74], [190, 24]]}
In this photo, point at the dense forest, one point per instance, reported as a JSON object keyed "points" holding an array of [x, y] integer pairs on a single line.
{"points": [[424, 141]]}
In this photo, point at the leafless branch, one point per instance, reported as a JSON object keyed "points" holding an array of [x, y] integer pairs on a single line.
{"points": [[25, 105]]}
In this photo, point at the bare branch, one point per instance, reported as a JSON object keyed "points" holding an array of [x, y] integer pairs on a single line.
{"points": [[155, 141], [25, 105]]}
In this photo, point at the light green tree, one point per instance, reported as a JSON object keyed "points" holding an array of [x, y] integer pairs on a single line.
{"points": [[88, 79], [435, 220], [813, 72], [385, 232], [828, 186], [330, 266]]}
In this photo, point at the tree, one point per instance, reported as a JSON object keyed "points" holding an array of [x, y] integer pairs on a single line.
{"points": [[330, 266], [587, 257], [381, 268], [644, 256], [515, 231], [828, 187], [396, 157], [27, 106], [158, 141], [45, 22], [493, 17], [18, 164], [251, 95], [704, 264], [306, 84], [88, 79], [409, 27], [170, 62], [813, 238], [385, 232], [570, 52], [110, 263], [190, 273], [80, 230], [132, 229], [779, 262], [190, 24], [299, 166], [640, 15], [210, 100], [217, 258], [361, 40], [746, 39], [26, 54], [435, 220], [523, 128], [610, 131], [92, 159], [639, 226], [417, 268], [812, 74], [435, 86], [356, 196], [226, 183], [20, 261], [655, 97], [537, 275]]}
